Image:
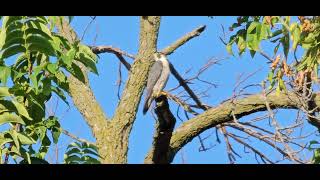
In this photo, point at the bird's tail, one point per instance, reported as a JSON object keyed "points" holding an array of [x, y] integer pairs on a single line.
{"points": [[147, 104]]}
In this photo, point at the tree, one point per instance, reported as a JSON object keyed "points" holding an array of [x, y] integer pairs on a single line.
{"points": [[49, 57]]}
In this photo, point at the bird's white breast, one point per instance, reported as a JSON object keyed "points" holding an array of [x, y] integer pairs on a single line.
{"points": [[163, 79]]}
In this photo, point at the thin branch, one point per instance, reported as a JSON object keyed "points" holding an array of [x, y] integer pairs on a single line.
{"points": [[250, 147], [87, 27], [75, 137], [170, 49], [186, 87], [123, 61], [110, 49], [223, 113]]}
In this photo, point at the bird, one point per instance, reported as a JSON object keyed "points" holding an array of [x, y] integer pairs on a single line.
{"points": [[157, 79]]}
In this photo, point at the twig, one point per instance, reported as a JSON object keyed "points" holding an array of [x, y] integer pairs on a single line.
{"points": [[75, 137], [186, 87], [87, 27], [119, 81], [250, 147], [170, 49], [110, 49]]}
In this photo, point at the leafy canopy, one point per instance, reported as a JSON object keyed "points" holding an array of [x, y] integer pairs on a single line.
{"points": [[34, 63]]}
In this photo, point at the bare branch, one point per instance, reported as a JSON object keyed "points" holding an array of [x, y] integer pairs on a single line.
{"points": [[250, 147], [75, 137], [110, 49], [170, 49], [223, 113], [186, 87]]}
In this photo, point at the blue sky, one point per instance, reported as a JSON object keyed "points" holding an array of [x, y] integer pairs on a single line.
{"points": [[122, 32]]}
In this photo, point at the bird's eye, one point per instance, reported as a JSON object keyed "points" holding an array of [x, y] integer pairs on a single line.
{"points": [[158, 56]]}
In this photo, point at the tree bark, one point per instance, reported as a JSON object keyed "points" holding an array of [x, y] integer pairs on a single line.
{"points": [[223, 113], [164, 128], [116, 139], [81, 92]]}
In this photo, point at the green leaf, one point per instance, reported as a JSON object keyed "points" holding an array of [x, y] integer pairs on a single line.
{"points": [[41, 132], [241, 45], [295, 32], [33, 78], [67, 59], [88, 52], [12, 51], [45, 145], [14, 136], [25, 139], [4, 91], [40, 44], [88, 151], [282, 86], [35, 102], [7, 106], [4, 74], [60, 93], [56, 132], [229, 48], [252, 53], [16, 150], [35, 31], [74, 144], [316, 156], [87, 61], [21, 109], [265, 32], [46, 90], [77, 72], [52, 68], [10, 118], [254, 36], [270, 76], [89, 160], [73, 151], [34, 160], [4, 140], [285, 41], [72, 158], [31, 23], [13, 41]]}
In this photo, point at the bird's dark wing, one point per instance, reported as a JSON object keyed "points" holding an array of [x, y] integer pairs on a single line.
{"points": [[154, 75]]}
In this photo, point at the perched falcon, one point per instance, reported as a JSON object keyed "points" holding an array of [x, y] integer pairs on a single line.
{"points": [[157, 79]]}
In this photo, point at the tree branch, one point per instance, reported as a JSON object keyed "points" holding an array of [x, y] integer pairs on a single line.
{"points": [[67, 133], [116, 139], [164, 127], [186, 87], [81, 93], [170, 49], [110, 49], [223, 113]]}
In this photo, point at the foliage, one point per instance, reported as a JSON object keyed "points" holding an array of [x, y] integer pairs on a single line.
{"points": [[302, 34], [81, 153], [281, 31], [316, 151], [34, 63]]}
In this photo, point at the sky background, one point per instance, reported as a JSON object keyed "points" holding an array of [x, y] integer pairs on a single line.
{"points": [[123, 32]]}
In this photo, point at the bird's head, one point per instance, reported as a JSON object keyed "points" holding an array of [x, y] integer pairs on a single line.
{"points": [[158, 56]]}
